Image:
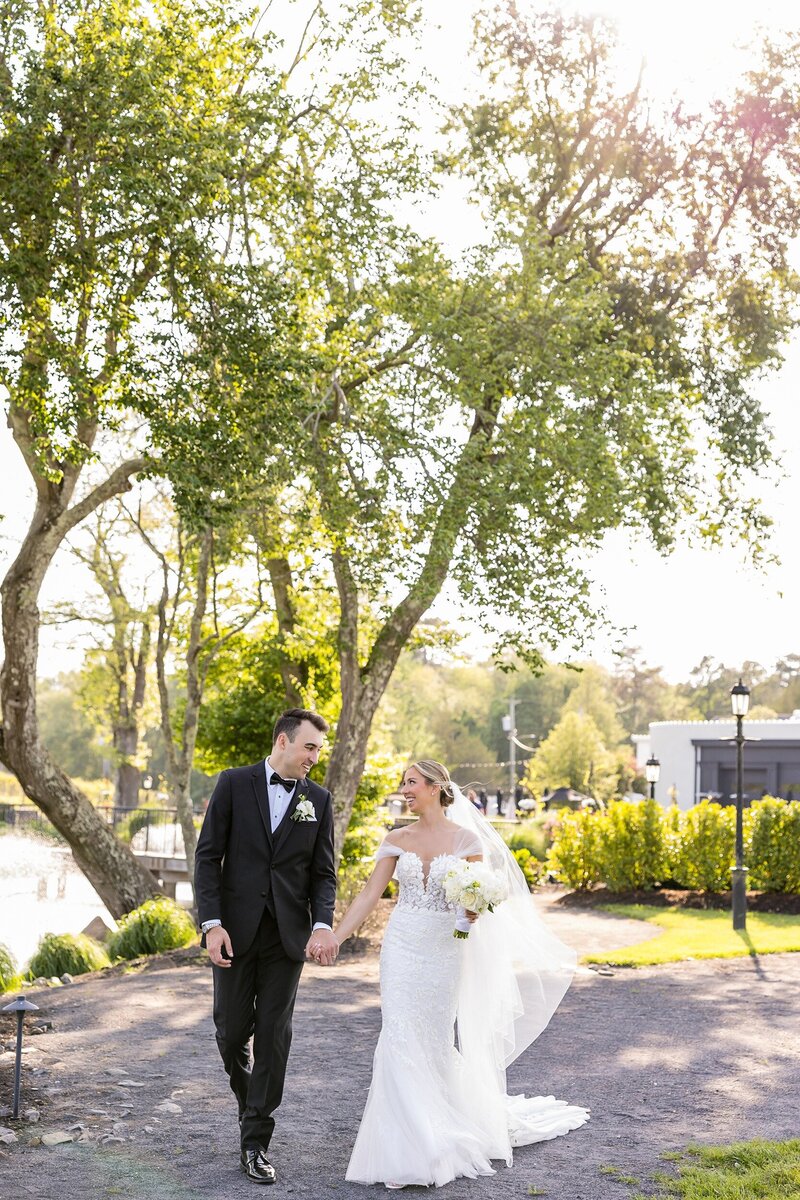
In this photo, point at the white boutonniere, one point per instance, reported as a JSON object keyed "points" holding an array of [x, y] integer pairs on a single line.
{"points": [[304, 811]]}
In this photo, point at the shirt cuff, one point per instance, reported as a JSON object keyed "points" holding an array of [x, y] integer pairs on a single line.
{"points": [[321, 925], [204, 928]]}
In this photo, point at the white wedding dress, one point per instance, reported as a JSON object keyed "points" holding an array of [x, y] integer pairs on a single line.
{"points": [[437, 1107]]}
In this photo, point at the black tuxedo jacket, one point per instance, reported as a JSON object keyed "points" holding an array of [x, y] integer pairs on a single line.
{"points": [[242, 867]]}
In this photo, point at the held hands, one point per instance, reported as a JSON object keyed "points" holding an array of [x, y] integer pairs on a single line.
{"points": [[322, 947], [217, 940], [472, 916]]}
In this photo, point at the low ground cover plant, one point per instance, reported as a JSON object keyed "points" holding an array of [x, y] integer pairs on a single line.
{"points": [[67, 953], [155, 926]]}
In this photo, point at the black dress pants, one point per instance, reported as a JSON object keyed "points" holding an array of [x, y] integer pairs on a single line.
{"points": [[254, 997]]}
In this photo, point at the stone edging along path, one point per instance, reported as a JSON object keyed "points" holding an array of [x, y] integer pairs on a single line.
{"points": [[130, 1073]]}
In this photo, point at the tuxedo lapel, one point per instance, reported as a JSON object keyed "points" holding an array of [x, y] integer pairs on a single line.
{"points": [[262, 799], [286, 821]]}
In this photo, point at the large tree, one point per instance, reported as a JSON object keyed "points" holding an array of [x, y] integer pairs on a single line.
{"points": [[589, 366], [138, 333]]}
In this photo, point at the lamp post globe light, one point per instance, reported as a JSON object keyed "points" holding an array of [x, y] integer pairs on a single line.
{"points": [[740, 702], [652, 770]]}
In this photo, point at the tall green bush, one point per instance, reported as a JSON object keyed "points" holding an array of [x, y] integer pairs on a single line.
{"points": [[153, 927], [575, 854], [67, 953], [707, 848], [633, 845], [774, 852]]}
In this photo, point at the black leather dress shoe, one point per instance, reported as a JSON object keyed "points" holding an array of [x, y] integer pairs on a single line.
{"points": [[257, 1166]]}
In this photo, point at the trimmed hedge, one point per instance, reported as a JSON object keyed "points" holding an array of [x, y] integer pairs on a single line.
{"points": [[634, 846], [774, 851], [67, 953], [153, 927]]}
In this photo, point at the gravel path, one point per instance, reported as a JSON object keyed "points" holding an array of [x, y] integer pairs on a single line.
{"points": [[702, 1051]]}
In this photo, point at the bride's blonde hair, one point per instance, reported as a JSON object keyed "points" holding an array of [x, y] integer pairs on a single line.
{"points": [[436, 773]]}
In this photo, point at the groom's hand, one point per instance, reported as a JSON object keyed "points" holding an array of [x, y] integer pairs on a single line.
{"points": [[217, 940], [323, 947]]}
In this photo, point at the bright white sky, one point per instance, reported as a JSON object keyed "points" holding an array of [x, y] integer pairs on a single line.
{"points": [[696, 602]]}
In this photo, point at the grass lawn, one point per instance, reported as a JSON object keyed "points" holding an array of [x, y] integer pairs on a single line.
{"points": [[700, 933], [743, 1171]]}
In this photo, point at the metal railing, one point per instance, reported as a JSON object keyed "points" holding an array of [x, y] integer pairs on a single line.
{"points": [[149, 830]]}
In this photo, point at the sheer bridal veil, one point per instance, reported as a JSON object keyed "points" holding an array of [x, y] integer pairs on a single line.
{"points": [[515, 971]]}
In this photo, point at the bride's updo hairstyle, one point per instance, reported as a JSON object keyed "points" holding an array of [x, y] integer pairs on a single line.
{"points": [[436, 773]]}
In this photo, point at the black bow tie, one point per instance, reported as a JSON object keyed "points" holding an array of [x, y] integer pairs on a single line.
{"points": [[287, 783]]}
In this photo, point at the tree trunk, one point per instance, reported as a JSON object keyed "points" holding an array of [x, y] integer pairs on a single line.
{"points": [[127, 775], [119, 879], [183, 803], [349, 754]]}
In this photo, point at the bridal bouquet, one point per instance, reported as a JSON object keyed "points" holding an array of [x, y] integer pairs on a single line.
{"points": [[473, 886]]}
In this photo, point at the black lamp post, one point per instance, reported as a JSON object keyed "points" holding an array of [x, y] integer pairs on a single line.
{"points": [[20, 1006], [740, 702], [652, 770]]}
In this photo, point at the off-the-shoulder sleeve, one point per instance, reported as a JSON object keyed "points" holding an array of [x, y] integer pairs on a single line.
{"points": [[387, 849], [467, 844]]}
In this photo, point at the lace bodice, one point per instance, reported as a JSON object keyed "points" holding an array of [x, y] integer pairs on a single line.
{"points": [[421, 883]]}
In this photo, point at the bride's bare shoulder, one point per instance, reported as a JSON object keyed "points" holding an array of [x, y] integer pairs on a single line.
{"points": [[396, 837]]}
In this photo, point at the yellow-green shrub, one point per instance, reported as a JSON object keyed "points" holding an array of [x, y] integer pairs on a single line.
{"points": [[774, 850], [67, 953], [575, 854], [153, 927], [633, 845], [707, 847]]}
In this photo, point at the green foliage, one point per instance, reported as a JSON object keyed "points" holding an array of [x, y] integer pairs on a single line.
{"points": [[774, 851], [532, 868], [573, 755], [575, 855], [8, 968], [140, 818], [366, 829], [73, 954], [530, 835], [642, 845], [757, 1170], [633, 850], [65, 728], [153, 927], [245, 689], [706, 847]]}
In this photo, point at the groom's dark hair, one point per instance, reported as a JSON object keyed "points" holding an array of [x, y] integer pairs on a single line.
{"points": [[289, 721]]}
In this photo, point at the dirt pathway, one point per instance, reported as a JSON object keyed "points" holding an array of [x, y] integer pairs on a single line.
{"points": [[700, 1051]]}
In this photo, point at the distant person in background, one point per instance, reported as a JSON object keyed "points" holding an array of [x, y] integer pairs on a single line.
{"points": [[500, 798], [484, 799], [472, 796]]}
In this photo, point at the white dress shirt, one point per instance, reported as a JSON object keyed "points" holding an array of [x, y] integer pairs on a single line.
{"points": [[279, 797]]}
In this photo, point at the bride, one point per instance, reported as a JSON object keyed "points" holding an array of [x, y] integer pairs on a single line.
{"points": [[455, 1012]]}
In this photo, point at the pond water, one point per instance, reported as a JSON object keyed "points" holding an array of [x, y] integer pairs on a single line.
{"points": [[43, 891]]}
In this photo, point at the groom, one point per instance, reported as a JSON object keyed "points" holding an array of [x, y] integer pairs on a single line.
{"points": [[264, 871]]}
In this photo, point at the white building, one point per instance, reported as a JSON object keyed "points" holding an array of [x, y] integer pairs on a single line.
{"points": [[698, 758]]}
